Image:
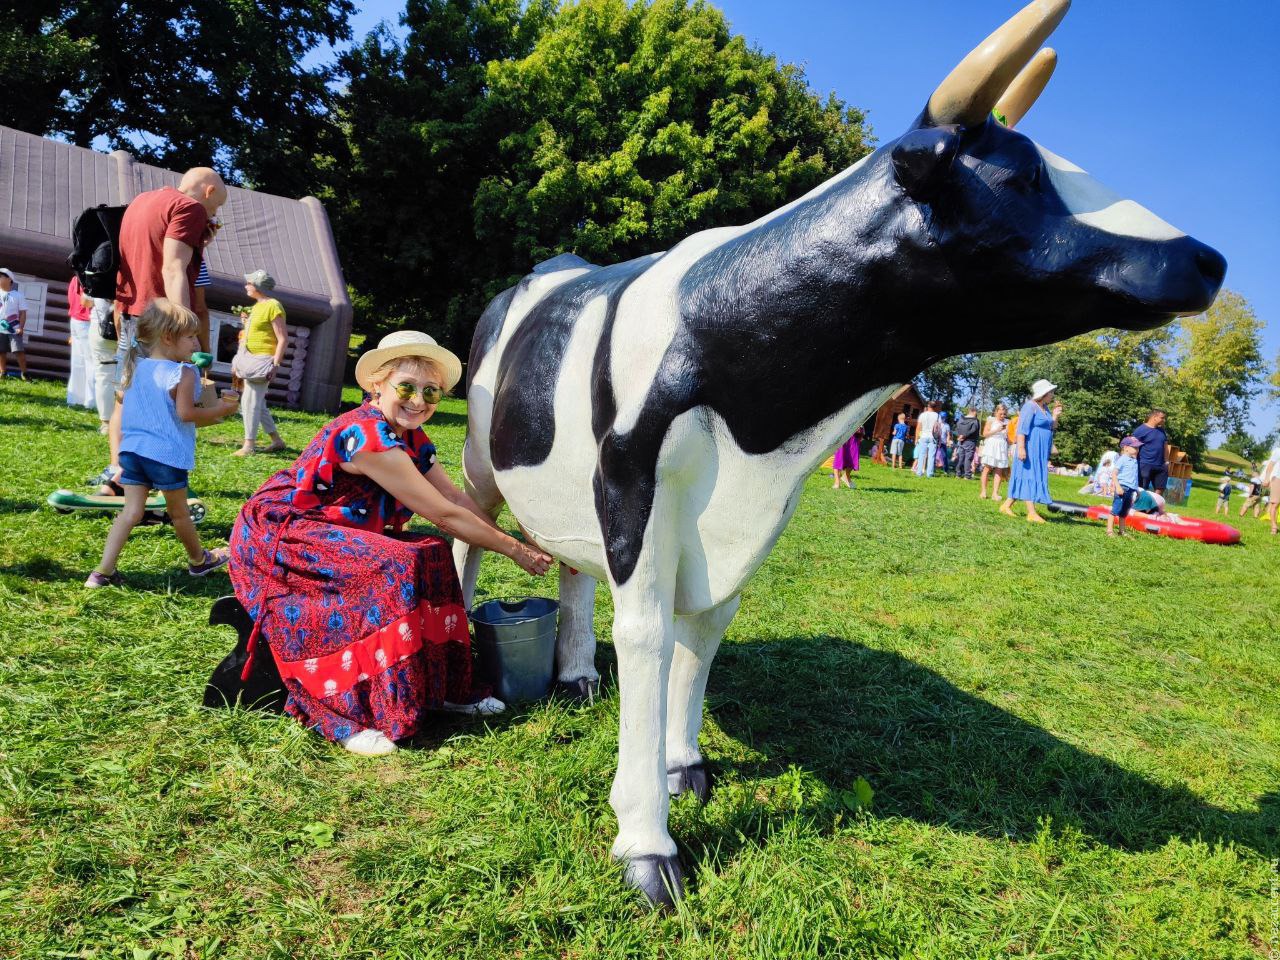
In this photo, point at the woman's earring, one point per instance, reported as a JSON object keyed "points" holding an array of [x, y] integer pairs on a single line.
{"points": [[377, 394]]}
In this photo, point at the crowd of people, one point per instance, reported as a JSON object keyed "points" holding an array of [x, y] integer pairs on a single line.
{"points": [[1019, 450]]}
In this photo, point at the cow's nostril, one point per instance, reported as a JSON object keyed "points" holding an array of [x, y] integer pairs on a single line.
{"points": [[1212, 264]]}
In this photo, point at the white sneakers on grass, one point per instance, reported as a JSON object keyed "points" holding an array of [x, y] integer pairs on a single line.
{"points": [[375, 743], [369, 743]]}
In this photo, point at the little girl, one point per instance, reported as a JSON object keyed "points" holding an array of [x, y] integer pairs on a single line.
{"points": [[158, 446]]}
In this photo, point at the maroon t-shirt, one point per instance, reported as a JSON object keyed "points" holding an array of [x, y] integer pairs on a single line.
{"points": [[150, 218]]}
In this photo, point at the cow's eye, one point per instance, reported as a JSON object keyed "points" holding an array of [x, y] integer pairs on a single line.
{"points": [[1028, 181]]}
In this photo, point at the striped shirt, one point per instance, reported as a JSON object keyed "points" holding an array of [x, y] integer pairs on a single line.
{"points": [[150, 423], [202, 278]]}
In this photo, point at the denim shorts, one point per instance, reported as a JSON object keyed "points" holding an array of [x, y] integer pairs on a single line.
{"points": [[138, 471], [1120, 504]]}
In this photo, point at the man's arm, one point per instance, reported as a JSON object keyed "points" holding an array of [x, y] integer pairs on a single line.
{"points": [[176, 258], [201, 309]]}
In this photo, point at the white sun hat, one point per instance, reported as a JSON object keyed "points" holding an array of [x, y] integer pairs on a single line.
{"points": [[408, 343], [1041, 387]]}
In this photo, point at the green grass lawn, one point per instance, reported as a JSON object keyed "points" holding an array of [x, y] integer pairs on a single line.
{"points": [[1072, 746]]}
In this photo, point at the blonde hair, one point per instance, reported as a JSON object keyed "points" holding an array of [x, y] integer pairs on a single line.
{"points": [[162, 320], [419, 365]]}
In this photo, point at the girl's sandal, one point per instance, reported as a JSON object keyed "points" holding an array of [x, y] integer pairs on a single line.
{"points": [[213, 559]]}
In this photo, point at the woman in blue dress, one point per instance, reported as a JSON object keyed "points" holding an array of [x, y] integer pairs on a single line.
{"points": [[1029, 473]]}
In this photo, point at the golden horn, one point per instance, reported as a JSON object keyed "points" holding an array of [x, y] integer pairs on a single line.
{"points": [[1027, 86], [969, 92]]}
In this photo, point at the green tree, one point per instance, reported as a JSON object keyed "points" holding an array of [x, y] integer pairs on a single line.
{"points": [[420, 139], [632, 125], [1218, 368], [180, 82]]}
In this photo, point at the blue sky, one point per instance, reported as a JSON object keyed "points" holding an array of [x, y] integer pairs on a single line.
{"points": [[1172, 103]]}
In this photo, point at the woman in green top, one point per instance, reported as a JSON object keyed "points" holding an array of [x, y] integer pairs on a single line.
{"points": [[259, 357]]}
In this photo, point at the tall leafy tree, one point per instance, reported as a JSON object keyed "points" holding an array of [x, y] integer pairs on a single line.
{"points": [[500, 133], [631, 125], [1217, 368], [180, 82], [420, 140]]}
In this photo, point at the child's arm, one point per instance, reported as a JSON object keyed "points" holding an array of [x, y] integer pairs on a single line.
{"points": [[184, 402]]}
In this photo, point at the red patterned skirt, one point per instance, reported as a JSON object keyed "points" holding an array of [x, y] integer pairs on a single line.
{"points": [[368, 630]]}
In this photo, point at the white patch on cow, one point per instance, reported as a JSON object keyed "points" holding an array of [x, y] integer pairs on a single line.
{"points": [[710, 479], [649, 311], [1099, 206]]}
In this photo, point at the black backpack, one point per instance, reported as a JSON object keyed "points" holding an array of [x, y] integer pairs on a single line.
{"points": [[95, 250]]}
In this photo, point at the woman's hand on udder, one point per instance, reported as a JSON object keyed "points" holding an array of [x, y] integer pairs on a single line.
{"points": [[532, 560]]}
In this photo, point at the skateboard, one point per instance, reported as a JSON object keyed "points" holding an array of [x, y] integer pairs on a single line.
{"points": [[68, 501]]}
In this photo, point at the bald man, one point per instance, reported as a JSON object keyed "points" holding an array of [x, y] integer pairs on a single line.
{"points": [[160, 239]]}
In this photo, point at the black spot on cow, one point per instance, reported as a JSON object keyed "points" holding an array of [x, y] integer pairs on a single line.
{"points": [[523, 425]]}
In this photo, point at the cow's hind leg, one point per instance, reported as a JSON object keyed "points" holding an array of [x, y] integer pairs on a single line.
{"points": [[576, 676], [697, 638], [643, 637]]}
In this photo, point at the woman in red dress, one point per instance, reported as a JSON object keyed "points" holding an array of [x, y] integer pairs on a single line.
{"points": [[366, 622]]}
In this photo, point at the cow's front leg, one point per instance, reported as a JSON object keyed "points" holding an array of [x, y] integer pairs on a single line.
{"points": [[576, 676], [697, 638], [643, 637]]}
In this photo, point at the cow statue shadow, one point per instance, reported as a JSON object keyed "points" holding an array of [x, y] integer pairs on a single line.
{"points": [[937, 755]]}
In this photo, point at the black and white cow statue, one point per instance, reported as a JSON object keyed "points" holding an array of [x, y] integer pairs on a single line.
{"points": [[651, 423]]}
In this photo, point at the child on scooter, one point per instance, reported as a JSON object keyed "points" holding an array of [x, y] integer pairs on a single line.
{"points": [[158, 446]]}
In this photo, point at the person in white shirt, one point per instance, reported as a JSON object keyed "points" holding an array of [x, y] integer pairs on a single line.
{"points": [[927, 440], [13, 317]]}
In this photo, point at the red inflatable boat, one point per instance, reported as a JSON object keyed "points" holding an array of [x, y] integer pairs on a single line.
{"points": [[1187, 528]]}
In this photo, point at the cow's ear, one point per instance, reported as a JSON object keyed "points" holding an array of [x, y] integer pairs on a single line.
{"points": [[922, 158]]}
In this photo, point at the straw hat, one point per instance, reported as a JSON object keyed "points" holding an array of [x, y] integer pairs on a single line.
{"points": [[408, 343]]}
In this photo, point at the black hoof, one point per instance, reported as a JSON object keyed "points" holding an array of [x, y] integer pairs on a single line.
{"points": [[660, 879], [695, 778], [582, 690]]}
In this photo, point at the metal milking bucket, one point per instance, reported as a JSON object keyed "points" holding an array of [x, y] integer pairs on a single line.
{"points": [[516, 642]]}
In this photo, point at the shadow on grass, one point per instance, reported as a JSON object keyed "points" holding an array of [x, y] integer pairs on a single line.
{"points": [[174, 580], [938, 755], [19, 506]]}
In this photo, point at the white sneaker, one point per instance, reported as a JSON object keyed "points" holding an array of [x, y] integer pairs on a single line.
{"points": [[484, 708], [369, 743]]}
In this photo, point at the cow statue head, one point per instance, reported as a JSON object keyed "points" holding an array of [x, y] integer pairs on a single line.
{"points": [[1035, 248]]}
